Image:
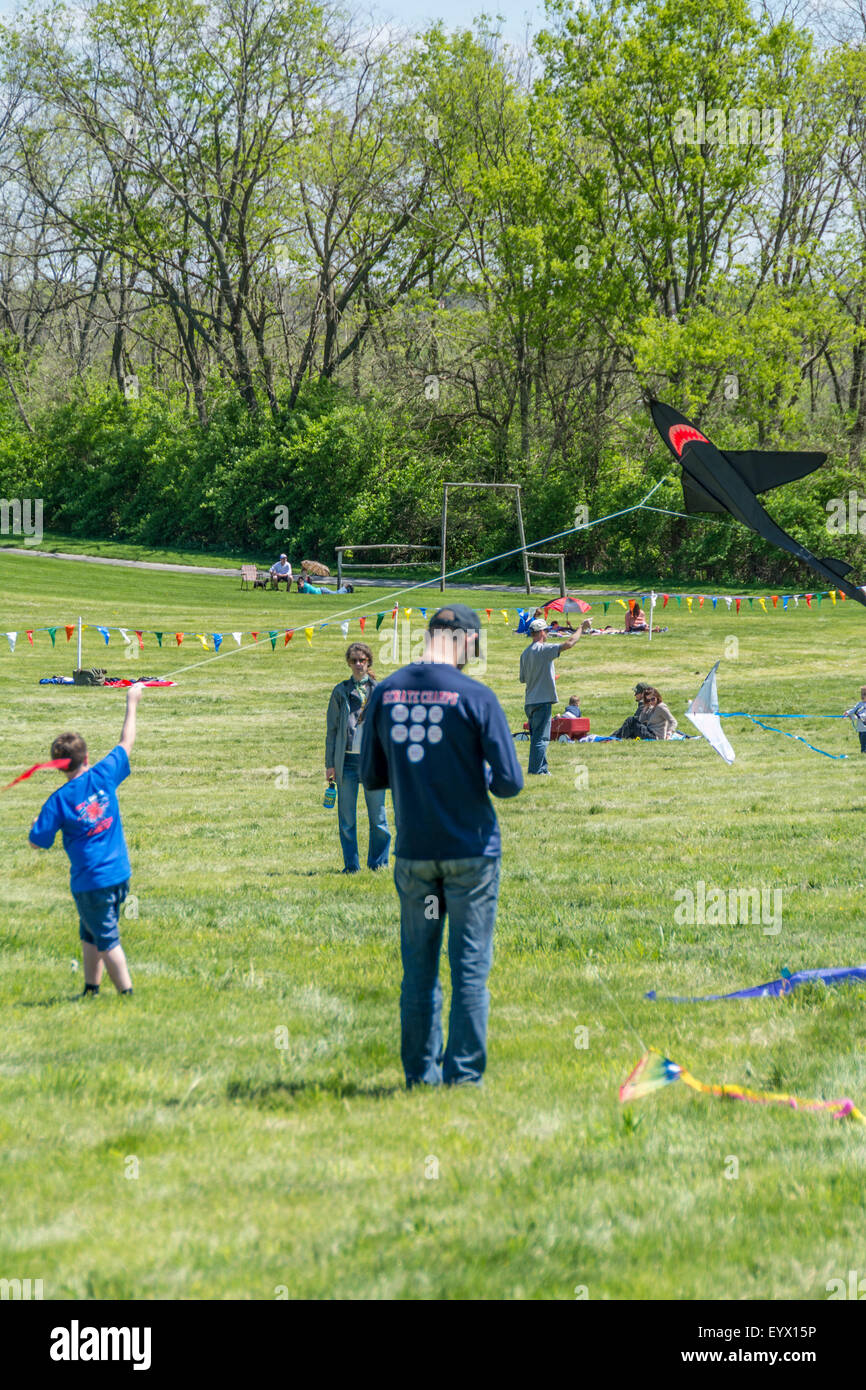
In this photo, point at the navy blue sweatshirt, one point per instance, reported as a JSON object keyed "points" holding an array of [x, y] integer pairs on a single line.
{"points": [[429, 730]]}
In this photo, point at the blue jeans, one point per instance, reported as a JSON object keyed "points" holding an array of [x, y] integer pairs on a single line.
{"points": [[539, 735], [468, 891], [347, 819]]}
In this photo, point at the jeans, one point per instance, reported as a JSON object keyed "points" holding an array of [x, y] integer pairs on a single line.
{"points": [[632, 728], [863, 743], [347, 819], [539, 735], [467, 890]]}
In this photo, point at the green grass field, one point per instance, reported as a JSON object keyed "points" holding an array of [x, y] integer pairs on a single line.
{"points": [[304, 1169]]}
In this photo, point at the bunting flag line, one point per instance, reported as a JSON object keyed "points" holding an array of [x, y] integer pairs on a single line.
{"points": [[730, 600], [654, 1071]]}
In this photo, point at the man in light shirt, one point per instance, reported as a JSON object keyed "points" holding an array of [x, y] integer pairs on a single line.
{"points": [[282, 570], [536, 673]]}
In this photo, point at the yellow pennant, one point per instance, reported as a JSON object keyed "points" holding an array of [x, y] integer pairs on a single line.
{"points": [[689, 601], [308, 633], [833, 596], [408, 612], [203, 641], [622, 603], [763, 603]]}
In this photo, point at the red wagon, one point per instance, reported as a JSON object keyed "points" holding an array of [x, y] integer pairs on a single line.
{"points": [[563, 728]]}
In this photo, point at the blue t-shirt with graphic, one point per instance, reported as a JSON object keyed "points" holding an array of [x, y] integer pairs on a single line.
{"points": [[87, 813], [439, 740]]}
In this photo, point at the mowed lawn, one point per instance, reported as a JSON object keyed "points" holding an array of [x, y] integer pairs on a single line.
{"points": [[240, 1130]]}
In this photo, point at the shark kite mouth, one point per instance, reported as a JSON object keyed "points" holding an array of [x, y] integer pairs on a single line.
{"points": [[680, 435]]}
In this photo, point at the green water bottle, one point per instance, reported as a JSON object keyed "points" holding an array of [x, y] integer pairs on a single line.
{"points": [[330, 796]]}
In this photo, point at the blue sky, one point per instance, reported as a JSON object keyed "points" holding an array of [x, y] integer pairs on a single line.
{"points": [[416, 14]]}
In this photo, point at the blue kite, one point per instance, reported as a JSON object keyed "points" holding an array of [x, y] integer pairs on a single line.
{"points": [[774, 988]]}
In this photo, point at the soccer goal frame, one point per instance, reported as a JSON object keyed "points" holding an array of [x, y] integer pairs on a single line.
{"points": [[503, 487]]}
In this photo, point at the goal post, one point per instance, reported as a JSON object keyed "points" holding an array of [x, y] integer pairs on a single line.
{"points": [[504, 487]]}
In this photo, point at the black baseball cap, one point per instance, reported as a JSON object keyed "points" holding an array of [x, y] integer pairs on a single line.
{"points": [[457, 617]]}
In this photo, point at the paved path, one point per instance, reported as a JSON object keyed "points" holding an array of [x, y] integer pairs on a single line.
{"points": [[236, 573]]}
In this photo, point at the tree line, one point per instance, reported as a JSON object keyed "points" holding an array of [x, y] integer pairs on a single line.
{"points": [[256, 252]]}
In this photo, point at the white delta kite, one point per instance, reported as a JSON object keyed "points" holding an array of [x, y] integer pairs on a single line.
{"points": [[704, 714]]}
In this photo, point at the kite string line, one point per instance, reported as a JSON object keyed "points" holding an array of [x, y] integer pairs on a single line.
{"points": [[837, 757], [612, 997], [425, 583]]}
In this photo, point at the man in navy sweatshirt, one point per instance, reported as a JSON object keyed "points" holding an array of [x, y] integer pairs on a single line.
{"points": [[441, 741]]}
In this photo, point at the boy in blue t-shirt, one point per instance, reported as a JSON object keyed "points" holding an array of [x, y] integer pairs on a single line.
{"points": [[87, 814]]}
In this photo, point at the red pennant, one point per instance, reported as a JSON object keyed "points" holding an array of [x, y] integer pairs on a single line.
{"points": [[140, 640], [70, 628], [775, 598], [55, 762], [701, 601], [665, 597], [254, 635], [808, 600], [394, 611], [30, 635], [179, 636], [288, 638], [738, 601], [488, 611], [841, 595], [362, 621]]}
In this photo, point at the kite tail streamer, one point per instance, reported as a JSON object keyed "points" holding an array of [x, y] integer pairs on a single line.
{"points": [[654, 1071], [55, 762]]}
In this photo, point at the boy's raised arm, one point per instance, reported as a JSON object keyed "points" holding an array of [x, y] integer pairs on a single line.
{"points": [[127, 733]]}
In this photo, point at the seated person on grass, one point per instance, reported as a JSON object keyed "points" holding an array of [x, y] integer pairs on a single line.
{"points": [[635, 618], [281, 572], [572, 710]]}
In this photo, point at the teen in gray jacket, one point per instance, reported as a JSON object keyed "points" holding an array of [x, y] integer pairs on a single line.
{"points": [[344, 730]]}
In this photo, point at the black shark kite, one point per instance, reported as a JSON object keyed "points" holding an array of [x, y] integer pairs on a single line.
{"points": [[718, 481]]}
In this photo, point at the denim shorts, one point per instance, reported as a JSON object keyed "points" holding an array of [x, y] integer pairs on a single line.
{"points": [[98, 911]]}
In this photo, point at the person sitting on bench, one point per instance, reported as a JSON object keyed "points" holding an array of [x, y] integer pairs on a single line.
{"points": [[282, 570]]}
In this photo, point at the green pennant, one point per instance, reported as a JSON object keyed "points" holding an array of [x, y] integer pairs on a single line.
{"points": [[380, 618], [820, 597], [158, 636], [273, 637], [679, 600], [606, 607], [751, 603], [52, 633]]}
